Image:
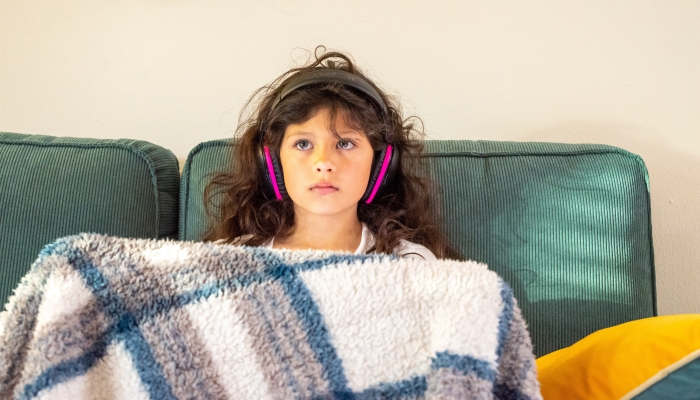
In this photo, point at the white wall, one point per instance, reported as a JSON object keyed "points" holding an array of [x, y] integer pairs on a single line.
{"points": [[176, 73]]}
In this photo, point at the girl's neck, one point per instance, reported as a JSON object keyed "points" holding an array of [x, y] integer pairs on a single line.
{"points": [[322, 233]]}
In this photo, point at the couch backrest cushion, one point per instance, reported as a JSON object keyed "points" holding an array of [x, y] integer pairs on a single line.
{"points": [[52, 187], [567, 226]]}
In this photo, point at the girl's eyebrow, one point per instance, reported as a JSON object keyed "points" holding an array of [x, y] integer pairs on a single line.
{"points": [[299, 133], [349, 132]]}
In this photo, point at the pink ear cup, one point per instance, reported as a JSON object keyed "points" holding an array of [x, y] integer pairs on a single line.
{"points": [[385, 166], [271, 170]]}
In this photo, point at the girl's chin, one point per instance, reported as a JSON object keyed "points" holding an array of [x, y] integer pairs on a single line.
{"points": [[325, 205], [325, 210]]}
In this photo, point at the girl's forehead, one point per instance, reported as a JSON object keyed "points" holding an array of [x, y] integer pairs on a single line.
{"points": [[320, 124]]}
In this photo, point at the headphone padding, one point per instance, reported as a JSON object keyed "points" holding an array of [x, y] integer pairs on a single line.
{"points": [[278, 173], [270, 174], [375, 187]]}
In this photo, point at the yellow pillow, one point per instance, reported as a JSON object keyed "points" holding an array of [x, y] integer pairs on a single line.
{"points": [[647, 358]]}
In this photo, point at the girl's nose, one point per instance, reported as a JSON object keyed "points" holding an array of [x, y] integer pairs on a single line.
{"points": [[325, 165], [324, 161]]}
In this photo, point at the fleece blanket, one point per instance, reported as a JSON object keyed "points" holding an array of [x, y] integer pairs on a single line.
{"points": [[103, 317]]}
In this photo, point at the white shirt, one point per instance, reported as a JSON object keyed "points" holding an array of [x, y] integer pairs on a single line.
{"points": [[405, 248]]}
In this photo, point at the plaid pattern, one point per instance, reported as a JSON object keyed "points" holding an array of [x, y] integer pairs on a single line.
{"points": [[105, 317]]}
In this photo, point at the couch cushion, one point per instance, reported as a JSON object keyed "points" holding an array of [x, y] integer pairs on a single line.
{"points": [[52, 187], [567, 225]]}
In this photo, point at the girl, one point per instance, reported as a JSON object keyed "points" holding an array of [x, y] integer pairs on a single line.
{"points": [[326, 161]]}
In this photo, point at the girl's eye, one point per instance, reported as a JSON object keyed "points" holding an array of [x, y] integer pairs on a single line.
{"points": [[301, 142], [343, 145]]}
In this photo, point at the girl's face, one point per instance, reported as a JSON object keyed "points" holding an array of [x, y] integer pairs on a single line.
{"points": [[324, 174]]}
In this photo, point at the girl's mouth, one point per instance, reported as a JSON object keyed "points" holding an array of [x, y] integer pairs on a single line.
{"points": [[324, 189]]}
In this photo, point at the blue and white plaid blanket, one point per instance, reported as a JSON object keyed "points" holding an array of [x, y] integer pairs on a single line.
{"points": [[110, 318]]}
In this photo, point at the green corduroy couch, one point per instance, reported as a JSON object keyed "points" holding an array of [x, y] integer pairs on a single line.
{"points": [[567, 225]]}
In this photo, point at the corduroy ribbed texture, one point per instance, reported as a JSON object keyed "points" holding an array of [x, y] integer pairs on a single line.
{"points": [[52, 187], [567, 226], [203, 161]]}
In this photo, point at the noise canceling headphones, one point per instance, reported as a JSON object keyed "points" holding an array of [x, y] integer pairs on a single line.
{"points": [[384, 164]]}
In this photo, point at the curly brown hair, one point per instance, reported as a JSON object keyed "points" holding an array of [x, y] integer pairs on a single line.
{"points": [[237, 207]]}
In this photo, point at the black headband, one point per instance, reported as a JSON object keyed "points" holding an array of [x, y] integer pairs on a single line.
{"points": [[328, 75]]}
